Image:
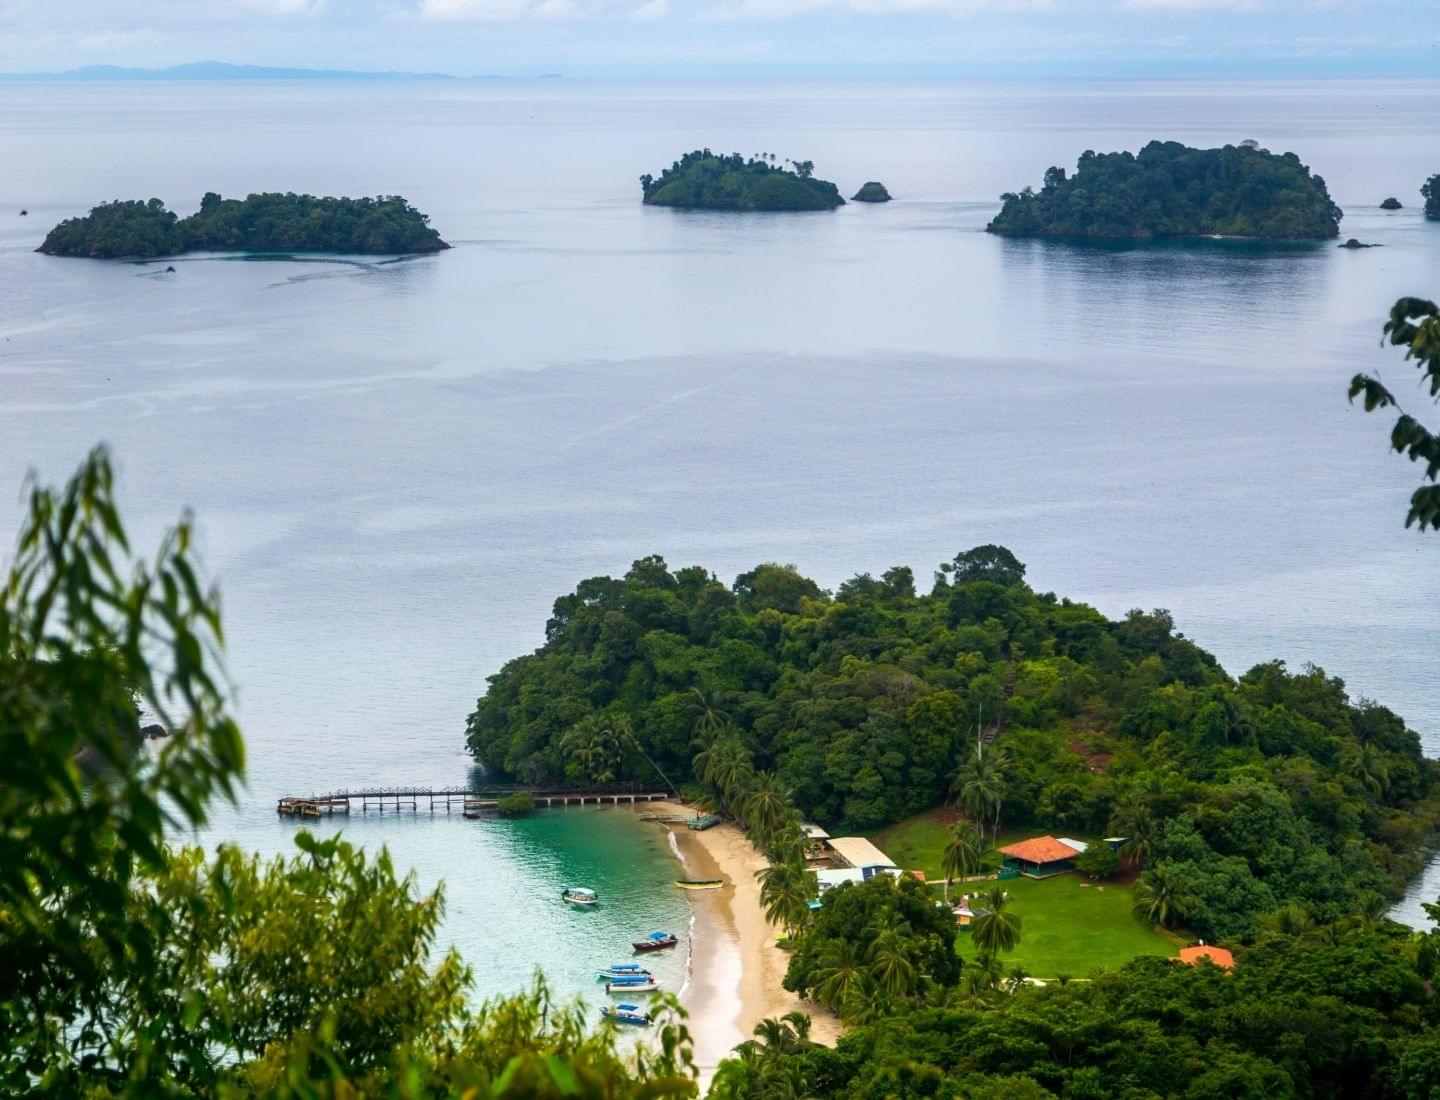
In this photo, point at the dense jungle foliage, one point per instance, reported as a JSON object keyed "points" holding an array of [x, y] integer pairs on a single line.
{"points": [[1325, 1013], [269, 222], [703, 180], [1244, 794], [1170, 190]]}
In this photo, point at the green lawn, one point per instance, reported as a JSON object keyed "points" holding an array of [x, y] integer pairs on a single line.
{"points": [[1065, 927], [916, 843]]}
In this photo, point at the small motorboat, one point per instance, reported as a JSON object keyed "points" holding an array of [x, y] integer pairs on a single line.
{"points": [[624, 970], [699, 883], [655, 941], [701, 822], [626, 1014], [579, 895], [626, 986]]}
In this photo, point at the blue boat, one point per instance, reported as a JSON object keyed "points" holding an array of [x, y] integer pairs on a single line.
{"points": [[623, 970], [655, 941], [626, 1014]]}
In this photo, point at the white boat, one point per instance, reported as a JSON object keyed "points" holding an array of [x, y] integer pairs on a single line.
{"points": [[626, 1014], [627, 986], [579, 895]]}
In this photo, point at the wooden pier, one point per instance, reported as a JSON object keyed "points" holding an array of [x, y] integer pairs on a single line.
{"points": [[471, 802]]}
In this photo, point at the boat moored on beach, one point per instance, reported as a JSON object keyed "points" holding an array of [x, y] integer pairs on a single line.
{"points": [[699, 883], [623, 970], [626, 1014], [626, 986], [655, 941], [579, 895]]}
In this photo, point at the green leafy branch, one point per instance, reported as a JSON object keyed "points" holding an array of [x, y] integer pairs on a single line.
{"points": [[1414, 325]]}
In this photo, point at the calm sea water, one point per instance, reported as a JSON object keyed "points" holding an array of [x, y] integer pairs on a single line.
{"points": [[398, 466]]}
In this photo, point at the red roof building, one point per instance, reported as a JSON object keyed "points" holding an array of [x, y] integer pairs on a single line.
{"points": [[1040, 856], [1217, 955]]}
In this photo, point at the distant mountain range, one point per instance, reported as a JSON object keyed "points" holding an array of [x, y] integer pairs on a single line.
{"points": [[221, 70]]}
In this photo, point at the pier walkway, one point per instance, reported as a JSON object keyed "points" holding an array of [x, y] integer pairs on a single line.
{"points": [[472, 802]]}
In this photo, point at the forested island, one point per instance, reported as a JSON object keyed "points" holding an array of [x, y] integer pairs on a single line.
{"points": [[1253, 794], [1171, 190], [268, 222], [1430, 191], [702, 180]]}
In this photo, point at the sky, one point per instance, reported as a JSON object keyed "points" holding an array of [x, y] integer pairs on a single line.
{"points": [[722, 37]]}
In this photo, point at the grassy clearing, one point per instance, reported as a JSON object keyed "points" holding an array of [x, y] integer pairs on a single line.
{"points": [[1067, 927]]}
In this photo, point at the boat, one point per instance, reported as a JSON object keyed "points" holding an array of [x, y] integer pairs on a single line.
{"points": [[626, 1014], [579, 895], [623, 970], [626, 986], [702, 822], [655, 941], [699, 883]]}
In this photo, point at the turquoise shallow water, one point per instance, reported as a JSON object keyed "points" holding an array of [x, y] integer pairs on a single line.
{"points": [[503, 880]]}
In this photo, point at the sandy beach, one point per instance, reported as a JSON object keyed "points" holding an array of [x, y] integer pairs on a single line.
{"points": [[736, 969]]}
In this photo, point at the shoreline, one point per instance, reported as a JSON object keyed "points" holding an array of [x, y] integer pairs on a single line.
{"points": [[734, 972]]}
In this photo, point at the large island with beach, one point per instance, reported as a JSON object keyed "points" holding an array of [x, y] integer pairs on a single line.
{"points": [[267, 222], [1172, 190], [1040, 782]]}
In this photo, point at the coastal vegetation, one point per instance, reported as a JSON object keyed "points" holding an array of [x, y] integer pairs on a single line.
{"points": [[1322, 1012], [702, 180], [515, 805], [1430, 191], [1392, 203], [269, 222], [129, 968], [871, 192], [1171, 190], [1241, 795]]}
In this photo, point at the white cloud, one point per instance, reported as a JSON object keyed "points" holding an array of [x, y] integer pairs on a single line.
{"points": [[790, 9], [652, 9], [497, 11], [1193, 6]]}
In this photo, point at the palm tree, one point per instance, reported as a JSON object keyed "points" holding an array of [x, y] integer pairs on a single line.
{"points": [[767, 804], [709, 714], [785, 893], [786, 1034], [964, 853], [594, 746], [1161, 897], [1288, 920], [995, 928], [890, 963], [983, 975], [1366, 762], [703, 763], [980, 785], [732, 771], [1133, 821], [842, 972]]}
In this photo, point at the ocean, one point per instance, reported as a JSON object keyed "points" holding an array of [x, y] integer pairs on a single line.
{"points": [[397, 466]]}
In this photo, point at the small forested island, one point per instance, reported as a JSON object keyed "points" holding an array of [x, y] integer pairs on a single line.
{"points": [[871, 192], [1172, 190], [268, 222], [1248, 794], [1430, 190], [1392, 203], [702, 180]]}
